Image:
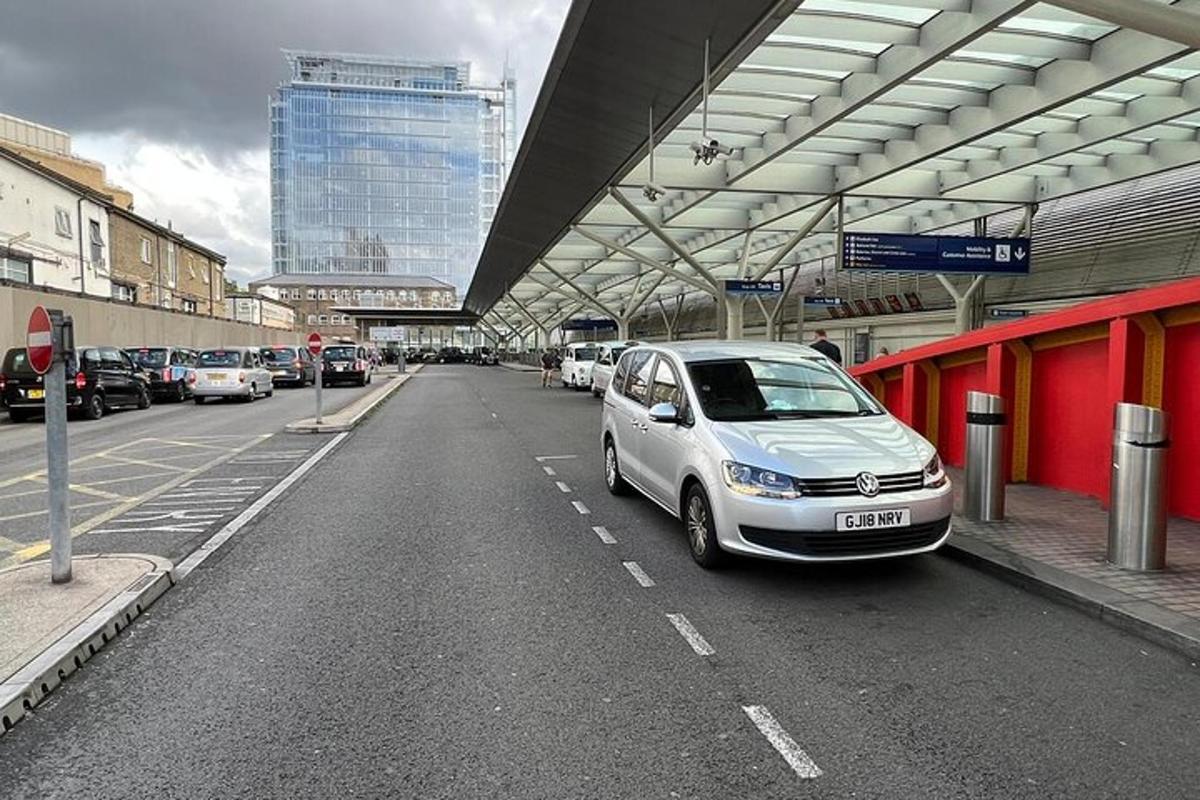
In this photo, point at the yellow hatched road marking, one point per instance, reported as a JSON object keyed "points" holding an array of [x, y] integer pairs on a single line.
{"points": [[28, 514], [139, 462], [41, 473]]}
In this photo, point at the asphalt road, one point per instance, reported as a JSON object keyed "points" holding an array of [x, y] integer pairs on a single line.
{"points": [[428, 615]]}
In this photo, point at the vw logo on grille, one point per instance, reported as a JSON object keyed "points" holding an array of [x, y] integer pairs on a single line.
{"points": [[867, 483]]}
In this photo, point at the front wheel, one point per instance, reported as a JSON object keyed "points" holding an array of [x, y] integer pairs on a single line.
{"points": [[143, 401], [612, 470], [180, 392], [701, 530], [93, 407]]}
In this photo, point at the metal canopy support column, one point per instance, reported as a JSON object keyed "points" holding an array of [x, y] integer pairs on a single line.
{"points": [[800, 235], [538, 326], [1158, 19], [962, 301], [666, 238], [647, 260], [583, 293]]}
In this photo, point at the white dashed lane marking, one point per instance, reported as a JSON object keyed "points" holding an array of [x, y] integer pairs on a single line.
{"points": [[689, 633], [796, 758], [638, 574], [562, 487], [604, 535], [549, 471], [580, 507]]}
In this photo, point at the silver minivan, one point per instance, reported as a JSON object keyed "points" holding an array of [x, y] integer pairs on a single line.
{"points": [[771, 450]]}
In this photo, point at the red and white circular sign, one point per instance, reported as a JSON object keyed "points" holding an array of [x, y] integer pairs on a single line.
{"points": [[314, 344], [39, 342]]}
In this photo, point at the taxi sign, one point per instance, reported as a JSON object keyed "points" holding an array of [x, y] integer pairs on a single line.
{"points": [[314, 344], [39, 341]]}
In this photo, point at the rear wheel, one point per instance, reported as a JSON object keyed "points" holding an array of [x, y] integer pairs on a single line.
{"points": [[180, 392], [250, 398], [143, 401], [700, 529], [93, 406], [612, 470]]}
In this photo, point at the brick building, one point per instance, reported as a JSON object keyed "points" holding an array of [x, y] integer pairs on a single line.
{"points": [[315, 296], [153, 265]]}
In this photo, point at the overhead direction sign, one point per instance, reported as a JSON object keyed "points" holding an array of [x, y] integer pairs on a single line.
{"points": [[39, 340], [811, 300], [893, 252], [1008, 313], [387, 333], [753, 287]]}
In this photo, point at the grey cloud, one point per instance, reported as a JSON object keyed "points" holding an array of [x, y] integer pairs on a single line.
{"points": [[200, 73]]}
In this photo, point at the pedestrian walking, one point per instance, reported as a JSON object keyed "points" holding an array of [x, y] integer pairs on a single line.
{"points": [[827, 348], [549, 361]]}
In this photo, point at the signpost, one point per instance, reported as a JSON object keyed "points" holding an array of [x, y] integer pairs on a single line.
{"points": [[741, 287], [1007, 313], [386, 333], [48, 340], [891, 252], [314, 347]]}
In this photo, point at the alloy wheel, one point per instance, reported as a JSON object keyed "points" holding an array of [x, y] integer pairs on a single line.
{"points": [[697, 525]]}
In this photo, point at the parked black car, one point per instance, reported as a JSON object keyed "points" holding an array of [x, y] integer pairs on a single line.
{"points": [[450, 355], [170, 370], [99, 379], [484, 357], [346, 363], [290, 365]]}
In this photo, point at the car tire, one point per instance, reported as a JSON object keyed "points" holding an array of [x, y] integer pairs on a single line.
{"points": [[700, 529], [180, 392], [250, 398], [595, 391], [270, 392], [612, 470], [93, 407], [143, 401]]}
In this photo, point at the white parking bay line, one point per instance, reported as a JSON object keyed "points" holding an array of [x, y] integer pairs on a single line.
{"points": [[549, 471], [796, 758], [197, 556], [689, 632], [638, 574], [553, 458], [604, 535], [562, 487], [580, 507]]}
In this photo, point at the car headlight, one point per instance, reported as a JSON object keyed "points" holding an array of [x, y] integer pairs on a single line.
{"points": [[935, 475], [757, 482]]}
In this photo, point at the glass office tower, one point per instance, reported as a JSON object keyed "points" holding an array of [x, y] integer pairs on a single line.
{"points": [[386, 166]]}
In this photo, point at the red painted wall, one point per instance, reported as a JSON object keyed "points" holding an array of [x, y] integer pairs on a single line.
{"points": [[1070, 426], [1181, 399], [952, 409], [893, 394]]}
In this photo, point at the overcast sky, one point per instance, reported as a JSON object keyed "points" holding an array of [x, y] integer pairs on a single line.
{"points": [[172, 94]]}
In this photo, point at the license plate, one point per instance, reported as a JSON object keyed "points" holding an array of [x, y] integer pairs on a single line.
{"points": [[216, 376], [36, 394], [339, 368], [869, 520]]}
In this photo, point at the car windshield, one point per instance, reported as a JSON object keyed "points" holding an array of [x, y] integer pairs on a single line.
{"points": [[219, 358], [746, 389], [616, 353], [340, 353], [150, 356], [278, 355], [585, 354], [16, 361]]}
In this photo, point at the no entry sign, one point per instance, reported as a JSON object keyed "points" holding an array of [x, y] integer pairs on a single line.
{"points": [[39, 341], [314, 344]]}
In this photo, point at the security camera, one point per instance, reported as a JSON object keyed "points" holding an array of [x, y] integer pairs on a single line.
{"points": [[708, 150], [653, 191]]}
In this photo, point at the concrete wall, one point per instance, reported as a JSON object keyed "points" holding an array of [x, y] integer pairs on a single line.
{"points": [[107, 322]]}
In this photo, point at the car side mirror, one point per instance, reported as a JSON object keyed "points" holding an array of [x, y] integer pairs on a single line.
{"points": [[664, 412]]}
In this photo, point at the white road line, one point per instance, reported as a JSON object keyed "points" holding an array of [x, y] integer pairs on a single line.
{"points": [[548, 470], [240, 479], [689, 632], [562, 487], [553, 458], [185, 567], [796, 758], [494, 416], [638, 574], [580, 507], [604, 535]]}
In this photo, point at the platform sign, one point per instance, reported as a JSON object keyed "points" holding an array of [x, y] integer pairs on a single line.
{"points": [[314, 344], [1007, 313], [811, 300], [891, 252], [584, 324], [39, 340], [387, 333], [753, 287]]}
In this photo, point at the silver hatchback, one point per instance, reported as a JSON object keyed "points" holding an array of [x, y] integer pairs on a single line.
{"points": [[770, 450]]}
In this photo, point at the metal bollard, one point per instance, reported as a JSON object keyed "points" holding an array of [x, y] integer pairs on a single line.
{"points": [[1137, 514], [983, 494]]}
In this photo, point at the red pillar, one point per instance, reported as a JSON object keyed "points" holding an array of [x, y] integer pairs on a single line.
{"points": [[1001, 380]]}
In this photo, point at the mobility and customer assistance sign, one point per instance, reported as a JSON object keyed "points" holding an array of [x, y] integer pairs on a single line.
{"points": [[891, 252]]}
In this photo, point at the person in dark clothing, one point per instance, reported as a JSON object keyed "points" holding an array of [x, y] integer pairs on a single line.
{"points": [[827, 348], [549, 364]]}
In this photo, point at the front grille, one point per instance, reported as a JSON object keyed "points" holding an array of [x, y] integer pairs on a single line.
{"points": [[831, 544], [845, 487]]}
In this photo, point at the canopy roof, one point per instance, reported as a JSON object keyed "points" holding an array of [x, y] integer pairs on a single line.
{"points": [[915, 114]]}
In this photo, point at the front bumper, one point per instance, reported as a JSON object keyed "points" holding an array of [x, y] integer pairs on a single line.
{"points": [[805, 529]]}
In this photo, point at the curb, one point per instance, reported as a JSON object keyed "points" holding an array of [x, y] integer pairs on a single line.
{"points": [[342, 425], [29, 685], [518, 367], [1150, 621]]}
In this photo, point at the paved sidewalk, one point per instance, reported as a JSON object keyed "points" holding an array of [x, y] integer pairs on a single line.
{"points": [[351, 415], [1058, 540], [48, 630]]}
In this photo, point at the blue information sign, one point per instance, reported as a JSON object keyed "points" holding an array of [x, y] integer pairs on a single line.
{"points": [[584, 324], [892, 252], [753, 287], [810, 300]]}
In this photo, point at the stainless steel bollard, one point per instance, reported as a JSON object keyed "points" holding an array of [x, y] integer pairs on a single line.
{"points": [[983, 494], [1137, 514]]}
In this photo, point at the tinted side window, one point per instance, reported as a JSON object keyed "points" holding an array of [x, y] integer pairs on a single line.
{"points": [[618, 380], [666, 385], [110, 358], [90, 359], [638, 382]]}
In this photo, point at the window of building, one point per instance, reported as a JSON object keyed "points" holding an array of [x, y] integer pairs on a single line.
{"points": [[191, 267], [166, 300], [312, 319], [322, 320], [357, 294], [172, 266], [218, 282], [391, 295], [16, 269], [146, 259], [204, 271], [345, 294], [295, 294], [312, 294], [320, 294], [62, 222], [189, 306], [124, 293], [97, 245]]}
